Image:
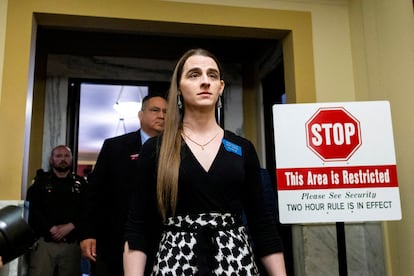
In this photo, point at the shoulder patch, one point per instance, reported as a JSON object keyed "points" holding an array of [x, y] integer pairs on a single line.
{"points": [[77, 183]]}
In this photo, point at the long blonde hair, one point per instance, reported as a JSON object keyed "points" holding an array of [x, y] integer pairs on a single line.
{"points": [[169, 155]]}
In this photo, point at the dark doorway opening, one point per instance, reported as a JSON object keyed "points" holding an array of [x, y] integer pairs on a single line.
{"points": [[90, 116], [273, 85]]}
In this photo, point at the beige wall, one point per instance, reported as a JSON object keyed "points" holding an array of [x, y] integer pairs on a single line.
{"points": [[359, 50], [3, 16], [383, 57]]}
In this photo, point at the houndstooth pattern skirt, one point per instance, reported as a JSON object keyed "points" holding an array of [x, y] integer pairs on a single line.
{"points": [[204, 244]]}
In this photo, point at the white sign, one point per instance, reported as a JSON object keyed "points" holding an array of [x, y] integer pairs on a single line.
{"points": [[335, 162]]}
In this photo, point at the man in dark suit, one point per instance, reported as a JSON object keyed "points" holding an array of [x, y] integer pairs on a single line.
{"points": [[107, 200]]}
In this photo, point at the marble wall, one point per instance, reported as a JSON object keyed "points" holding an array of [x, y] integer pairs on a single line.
{"points": [[316, 252], [55, 116]]}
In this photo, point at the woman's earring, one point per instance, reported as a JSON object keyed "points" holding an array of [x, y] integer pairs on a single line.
{"points": [[179, 103], [219, 104]]}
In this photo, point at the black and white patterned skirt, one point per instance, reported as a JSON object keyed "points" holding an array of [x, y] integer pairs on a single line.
{"points": [[205, 244]]}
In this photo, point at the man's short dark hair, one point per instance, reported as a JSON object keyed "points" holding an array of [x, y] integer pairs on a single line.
{"points": [[147, 98]]}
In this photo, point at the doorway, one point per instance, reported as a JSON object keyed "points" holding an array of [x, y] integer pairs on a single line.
{"points": [[99, 109], [236, 53]]}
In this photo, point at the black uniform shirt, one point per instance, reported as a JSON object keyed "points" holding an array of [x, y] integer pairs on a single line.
{"points": [[54, 201]]}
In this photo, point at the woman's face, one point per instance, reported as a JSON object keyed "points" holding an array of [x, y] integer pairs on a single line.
{"points": [[200, 83]]}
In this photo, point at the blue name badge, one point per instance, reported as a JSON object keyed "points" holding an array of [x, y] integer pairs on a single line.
{"points": [[231, 147]]}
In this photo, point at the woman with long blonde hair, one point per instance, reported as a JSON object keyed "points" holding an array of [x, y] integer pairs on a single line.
{"points": [[197, 180]]}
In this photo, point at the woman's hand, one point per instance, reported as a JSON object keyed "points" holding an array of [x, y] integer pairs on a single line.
{"points": [[134, 262], [274, 264]]}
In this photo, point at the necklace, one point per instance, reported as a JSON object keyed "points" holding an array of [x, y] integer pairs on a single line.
{"points": [[198, 144]]}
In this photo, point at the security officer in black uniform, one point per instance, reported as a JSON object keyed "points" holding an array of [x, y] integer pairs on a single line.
{"points": [[54, 212]]}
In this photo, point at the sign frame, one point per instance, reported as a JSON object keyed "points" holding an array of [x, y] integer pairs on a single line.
{"points": [[361, 187]]}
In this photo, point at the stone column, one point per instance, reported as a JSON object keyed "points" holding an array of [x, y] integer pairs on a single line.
{"points": [[316, 254]]}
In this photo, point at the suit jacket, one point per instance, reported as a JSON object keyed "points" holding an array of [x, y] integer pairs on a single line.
{"points": [[107, 197]]}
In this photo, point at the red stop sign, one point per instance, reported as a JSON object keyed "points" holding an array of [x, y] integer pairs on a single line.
{"points": [[333, 134]]}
